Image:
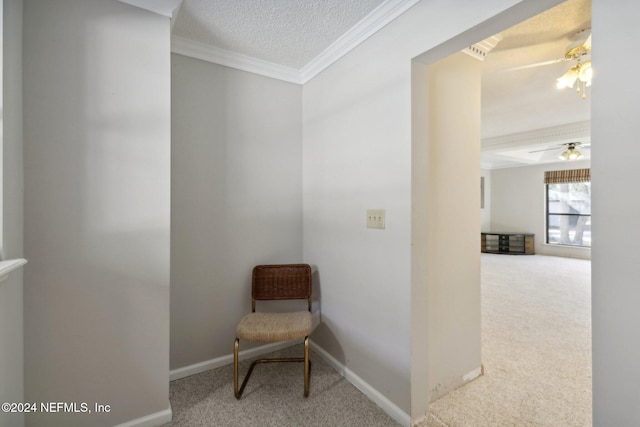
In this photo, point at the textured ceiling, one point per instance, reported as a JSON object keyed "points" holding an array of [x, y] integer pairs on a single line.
{"points": [[527, 99], [285, 32], [519, 100], [292, 33], [557, 24]]}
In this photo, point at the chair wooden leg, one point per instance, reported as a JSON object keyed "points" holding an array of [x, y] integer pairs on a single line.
{"points": [[236, 392], [306, 366]]}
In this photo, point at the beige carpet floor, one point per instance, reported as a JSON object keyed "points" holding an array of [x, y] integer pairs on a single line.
{"points": [[273, 397], [536, 347], [536, 350]]}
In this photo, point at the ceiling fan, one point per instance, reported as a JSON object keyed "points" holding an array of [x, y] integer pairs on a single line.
{"points": [[578, 49], [570, 152]]}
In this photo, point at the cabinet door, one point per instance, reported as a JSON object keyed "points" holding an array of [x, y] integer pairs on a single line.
{"points": [[529, 246]]}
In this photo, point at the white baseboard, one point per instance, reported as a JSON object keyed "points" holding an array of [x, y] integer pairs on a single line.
{"points": [[470, 376], [454, 383], [227, 359], [152, 420], [420, 420], [378, 398]]}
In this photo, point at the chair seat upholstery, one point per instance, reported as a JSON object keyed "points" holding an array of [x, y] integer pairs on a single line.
{"points": [[276, 282], [272, 327]]}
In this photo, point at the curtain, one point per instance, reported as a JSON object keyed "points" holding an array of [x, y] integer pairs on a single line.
{"points": [[567, 176]]}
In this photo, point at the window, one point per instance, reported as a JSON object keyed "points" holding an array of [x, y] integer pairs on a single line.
{"points": [[568, 196]]}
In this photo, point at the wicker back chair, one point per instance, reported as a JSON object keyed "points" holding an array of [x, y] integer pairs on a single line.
{"points": [[276, 282]]}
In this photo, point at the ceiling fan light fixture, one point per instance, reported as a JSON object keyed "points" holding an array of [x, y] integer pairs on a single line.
{"points": [[586, 73], [582, 73], [570, 154], [569, 78]]}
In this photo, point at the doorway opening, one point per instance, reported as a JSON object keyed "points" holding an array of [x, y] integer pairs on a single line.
{"points": [[563, 315]]}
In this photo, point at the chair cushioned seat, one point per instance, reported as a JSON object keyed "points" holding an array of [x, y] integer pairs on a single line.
{"points": [[272, 327]]}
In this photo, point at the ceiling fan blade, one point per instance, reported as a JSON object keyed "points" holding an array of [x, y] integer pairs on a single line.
{"points": [[546, 149], [579, 145], [537, 64], [564, 146]]}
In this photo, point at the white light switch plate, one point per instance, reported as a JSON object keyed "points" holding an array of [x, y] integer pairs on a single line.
{"points": [[375, 218]]}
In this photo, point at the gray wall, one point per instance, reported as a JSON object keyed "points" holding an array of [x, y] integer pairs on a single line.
{"points": [[616, 206], [518, 204], [97, 182], [236, 198], [11, 290]]}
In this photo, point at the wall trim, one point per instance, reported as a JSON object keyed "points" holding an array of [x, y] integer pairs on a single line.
{"points": [[216, 55], [151, 420], [393, 410], [539, 138], [421, 420], [481, 49], [365, 28], [161, 7], [227, 359], [453, 384], [577, 130], [472, 375], [10, 265]]}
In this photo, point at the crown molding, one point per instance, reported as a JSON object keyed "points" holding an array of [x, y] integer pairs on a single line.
{"points": [[174, 16], [486, 166], [369, 25], [235, 60], [578, 130], [161, 7], [480, 50]]}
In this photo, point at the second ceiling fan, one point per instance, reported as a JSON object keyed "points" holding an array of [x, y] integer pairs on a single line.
{"points": [[569, 150]]}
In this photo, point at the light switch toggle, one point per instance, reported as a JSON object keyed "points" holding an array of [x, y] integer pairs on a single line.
{"points": [[375, 218]]}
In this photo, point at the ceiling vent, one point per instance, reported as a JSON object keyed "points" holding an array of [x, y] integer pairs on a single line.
{"points": [[481, 49]]}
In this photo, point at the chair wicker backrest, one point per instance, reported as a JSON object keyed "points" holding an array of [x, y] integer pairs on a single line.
{"points": [[284, 281], [276, 282]]}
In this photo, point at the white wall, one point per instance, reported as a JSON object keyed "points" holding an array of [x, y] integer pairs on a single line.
{"points": [[453, 294], [616, 292], [236, 198], [357, 155], [97, 180], [2, 38], [485, 213], [518, 204], [11, 290], [372, 269]]}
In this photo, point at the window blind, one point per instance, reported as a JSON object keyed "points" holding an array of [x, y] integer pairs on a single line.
{"points": [[567, 176]]}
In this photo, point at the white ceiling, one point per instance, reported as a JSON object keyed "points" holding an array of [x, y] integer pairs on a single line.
{"points": [[289, 33], [522, 110]]}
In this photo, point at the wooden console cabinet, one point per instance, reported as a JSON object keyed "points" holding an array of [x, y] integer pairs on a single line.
{"points": [[508, 243]]}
